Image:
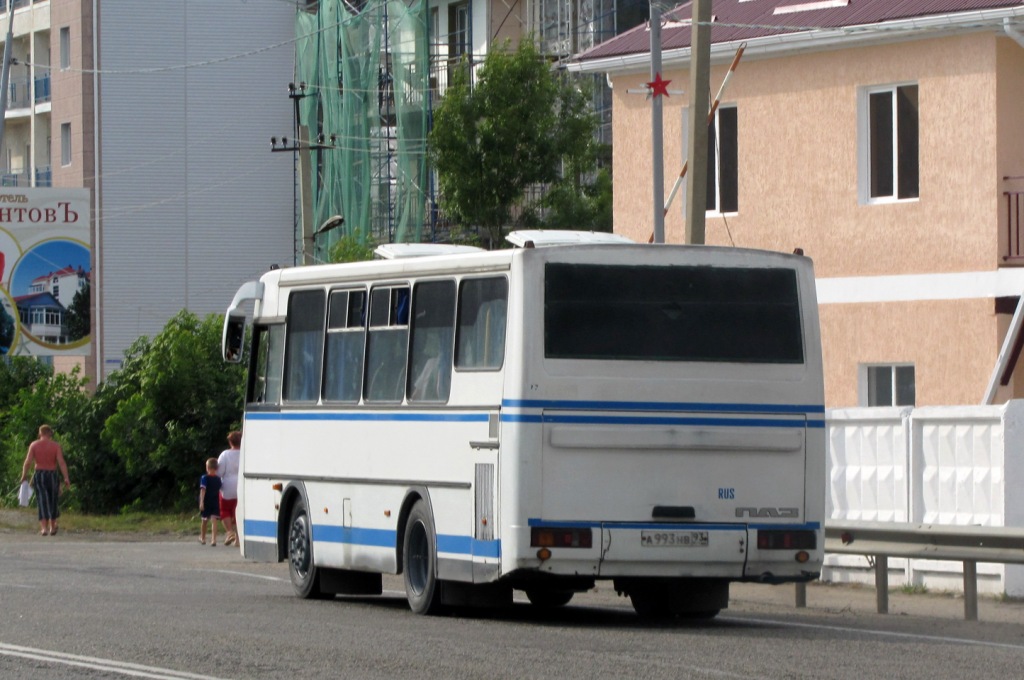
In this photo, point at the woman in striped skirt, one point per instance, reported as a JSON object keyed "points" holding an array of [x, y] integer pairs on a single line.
{"points": [[46, 455]]}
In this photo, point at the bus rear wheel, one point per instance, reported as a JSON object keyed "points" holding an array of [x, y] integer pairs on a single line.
{"points": [[419, 559], [304, 575]]}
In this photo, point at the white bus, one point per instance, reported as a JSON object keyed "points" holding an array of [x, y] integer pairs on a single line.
{"points": [[536, 419]]}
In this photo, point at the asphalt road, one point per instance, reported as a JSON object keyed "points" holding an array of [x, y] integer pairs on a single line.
{"points": [[74, 607]]}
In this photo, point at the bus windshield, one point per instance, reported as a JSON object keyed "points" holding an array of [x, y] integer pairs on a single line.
{"points": [[679, 313]]}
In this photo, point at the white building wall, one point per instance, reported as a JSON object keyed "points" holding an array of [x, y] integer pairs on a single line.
{"points": [[191, 201], [957, 465]]}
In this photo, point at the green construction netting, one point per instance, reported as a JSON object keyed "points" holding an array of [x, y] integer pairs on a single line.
{"points": [[366, 69]]}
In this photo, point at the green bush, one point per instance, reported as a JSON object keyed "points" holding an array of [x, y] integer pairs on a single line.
{"points": [[141, 440]]}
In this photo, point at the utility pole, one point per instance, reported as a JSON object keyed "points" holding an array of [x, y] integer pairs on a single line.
{"points": [[657, 141], [697, 119], [5, 76]]}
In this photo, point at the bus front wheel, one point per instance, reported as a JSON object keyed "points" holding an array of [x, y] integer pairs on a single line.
{"points": [[303, 572], [419, 558]]}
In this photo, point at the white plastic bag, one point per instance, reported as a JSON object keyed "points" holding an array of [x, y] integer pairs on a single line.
{"points": [[24, 494]]}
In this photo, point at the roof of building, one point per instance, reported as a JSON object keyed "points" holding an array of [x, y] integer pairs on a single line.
{"points": [[742, 20], [37, 300], [66, 271]]}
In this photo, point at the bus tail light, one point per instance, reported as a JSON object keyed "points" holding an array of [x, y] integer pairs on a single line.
{"points": [[786, 539], [561, 537]]}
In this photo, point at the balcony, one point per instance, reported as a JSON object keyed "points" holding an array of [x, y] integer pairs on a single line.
{"points": [[14, 178], [42, 88], [17, 4], [19, 94]]}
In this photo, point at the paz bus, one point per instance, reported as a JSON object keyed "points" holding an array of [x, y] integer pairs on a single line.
{"points": [[576, 409]]}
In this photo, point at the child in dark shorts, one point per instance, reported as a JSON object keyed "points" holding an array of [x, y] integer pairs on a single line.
{"points": [[209, 500]]}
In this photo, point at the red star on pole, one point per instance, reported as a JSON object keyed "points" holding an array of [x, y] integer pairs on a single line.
{"points": [[658, 86]]}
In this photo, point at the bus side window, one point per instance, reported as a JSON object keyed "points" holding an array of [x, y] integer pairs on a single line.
{"points": [[433, 331], [483, 308], [265, 382], [386, 344], [343, 353], [304, 349]]}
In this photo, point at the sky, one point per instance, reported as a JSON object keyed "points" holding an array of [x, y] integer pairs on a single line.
{"points": [[46, 257]]}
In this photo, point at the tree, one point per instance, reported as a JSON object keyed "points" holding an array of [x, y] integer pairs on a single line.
{"points": [[516, 127], [352, 248], [40, 396], [78, 319], [18, 373], [170, 408]]}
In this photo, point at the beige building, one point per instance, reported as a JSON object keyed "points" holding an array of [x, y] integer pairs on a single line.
{"points": [[887, 143]]}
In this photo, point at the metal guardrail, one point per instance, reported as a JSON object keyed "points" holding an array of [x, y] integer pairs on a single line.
{"points": [[882, 540]]}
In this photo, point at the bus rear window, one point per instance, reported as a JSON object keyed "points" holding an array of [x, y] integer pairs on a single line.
{"points": [[685, 313]]}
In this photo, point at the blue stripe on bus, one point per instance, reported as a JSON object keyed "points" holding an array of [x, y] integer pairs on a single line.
{"points": [[526, 418], [378, 538], [663, 406], [392, 416], [669, 420], [259, 528]]}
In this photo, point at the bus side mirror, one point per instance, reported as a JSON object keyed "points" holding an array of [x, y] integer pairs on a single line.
{"points": [[234, 335]]}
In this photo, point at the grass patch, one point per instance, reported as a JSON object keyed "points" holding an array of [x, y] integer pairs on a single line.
{"points": [[147, 523], [915, 589]]}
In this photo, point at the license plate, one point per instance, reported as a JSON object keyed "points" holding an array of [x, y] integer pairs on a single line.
{"points": [[674, 539]]}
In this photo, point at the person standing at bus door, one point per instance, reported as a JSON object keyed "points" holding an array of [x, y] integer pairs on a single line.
{"points": [[227, 466], [209, 501], [46, 456]]}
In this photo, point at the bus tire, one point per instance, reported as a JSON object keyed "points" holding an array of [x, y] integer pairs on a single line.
{"points": [[650, 605], [549, 599], [304, 575], [419, 560]]}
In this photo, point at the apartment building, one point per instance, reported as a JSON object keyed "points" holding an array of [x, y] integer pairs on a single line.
{"points": [[162, 111]]}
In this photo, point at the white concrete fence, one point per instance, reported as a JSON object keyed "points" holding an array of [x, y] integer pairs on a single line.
{"points": [[950, 465]]}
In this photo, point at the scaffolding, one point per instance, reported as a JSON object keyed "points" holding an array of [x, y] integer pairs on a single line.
{"points": [[371, 71]]}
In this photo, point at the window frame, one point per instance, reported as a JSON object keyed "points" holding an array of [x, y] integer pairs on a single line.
{"points": [[459, 362], [315, 372], [717, 168], [348, 328], [395, 323], [867, 394], [899, 144], [266, 356], [65, 48], [65, 144], [417, 365]]}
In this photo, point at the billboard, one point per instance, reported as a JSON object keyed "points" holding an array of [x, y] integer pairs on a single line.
{"points": [[45, 272]]}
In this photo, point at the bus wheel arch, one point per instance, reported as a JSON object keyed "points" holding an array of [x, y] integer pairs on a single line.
{"points": [[413, 495], [292, 493]]}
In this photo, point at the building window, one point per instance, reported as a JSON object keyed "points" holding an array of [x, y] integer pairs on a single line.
{"points": [[888, 385], [65, 143], [723, 162], [458, 31], [65, 48], [890, 143]]}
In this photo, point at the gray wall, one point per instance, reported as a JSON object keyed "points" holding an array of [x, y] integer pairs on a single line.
{"points": [[191, 201]]}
